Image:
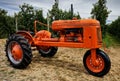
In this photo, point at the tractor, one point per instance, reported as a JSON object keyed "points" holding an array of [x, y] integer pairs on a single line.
{"points": [[75, 33]]}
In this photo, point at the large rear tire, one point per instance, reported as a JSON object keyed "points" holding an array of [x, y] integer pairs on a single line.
{"points": [[18, 51], [103, 66]]}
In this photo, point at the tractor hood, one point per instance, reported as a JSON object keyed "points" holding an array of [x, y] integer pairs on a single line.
{"points": [[59, 25]]}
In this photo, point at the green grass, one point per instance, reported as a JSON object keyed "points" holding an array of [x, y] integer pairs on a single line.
{"points": [[110, 40]]}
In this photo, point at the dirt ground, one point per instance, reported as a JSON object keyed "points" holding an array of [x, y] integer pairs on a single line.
{"points": [[66, 65]]}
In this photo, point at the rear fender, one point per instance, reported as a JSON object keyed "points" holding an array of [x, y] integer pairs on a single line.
{"points": [[27, 35]]}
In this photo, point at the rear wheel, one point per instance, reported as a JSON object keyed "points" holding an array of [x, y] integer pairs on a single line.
{"points": [[48, 51], [45, 51], [103, 65], [18, 51]]}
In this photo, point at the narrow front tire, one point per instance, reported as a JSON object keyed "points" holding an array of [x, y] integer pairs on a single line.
{"points": [[103, 66]]}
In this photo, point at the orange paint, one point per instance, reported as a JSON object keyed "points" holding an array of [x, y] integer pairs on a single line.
{"points": [[98, 67], [73, 33], [17, 52]]}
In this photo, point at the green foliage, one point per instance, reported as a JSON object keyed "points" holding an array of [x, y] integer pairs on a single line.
{"points": [[27, 16], [57, 13], [114, 28], [110, 40], [100, 12], [6, 24], [39, 16], [107, 40]]}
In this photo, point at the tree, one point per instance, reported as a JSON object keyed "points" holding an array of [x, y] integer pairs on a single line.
{"points": [[114, 28], [39, 16], [54, 11], [57, 13], [100, 12], [6, 24], [27, 16]]}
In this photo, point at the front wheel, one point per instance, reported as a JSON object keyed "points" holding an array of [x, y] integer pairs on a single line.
{"points": [[103, 66]]}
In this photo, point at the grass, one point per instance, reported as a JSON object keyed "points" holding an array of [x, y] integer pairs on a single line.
{"points": [[110, 40]]}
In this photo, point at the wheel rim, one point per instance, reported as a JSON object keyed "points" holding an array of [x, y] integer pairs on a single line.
{"points": [[45, 49], [98, 67], [15, 52]]}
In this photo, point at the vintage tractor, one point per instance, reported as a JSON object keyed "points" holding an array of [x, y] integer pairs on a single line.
{"points": [[84, 33]]}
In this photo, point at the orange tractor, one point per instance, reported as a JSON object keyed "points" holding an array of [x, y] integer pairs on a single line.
{"points": [[75, 33]]}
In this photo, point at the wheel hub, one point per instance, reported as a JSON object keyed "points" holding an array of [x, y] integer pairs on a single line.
{"points": [[98, 66], [16, 52]]}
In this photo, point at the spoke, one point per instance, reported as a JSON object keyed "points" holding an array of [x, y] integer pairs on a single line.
{"points": [[94, 68]]}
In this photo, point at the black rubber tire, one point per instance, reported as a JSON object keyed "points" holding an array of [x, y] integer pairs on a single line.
{"points": [[50, 53], [107, 63], [26, 48]]}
